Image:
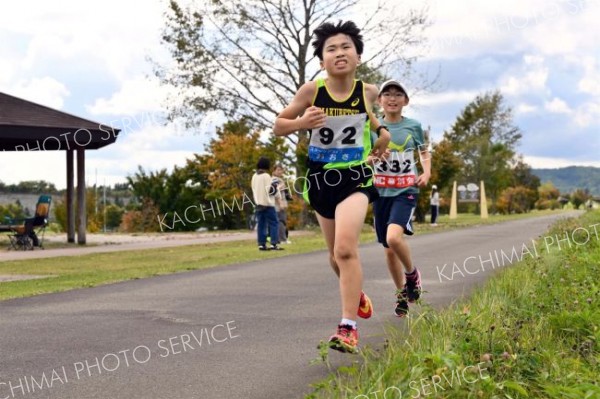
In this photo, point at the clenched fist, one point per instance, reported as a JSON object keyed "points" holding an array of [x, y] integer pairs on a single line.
{"points": [[313, 117]]}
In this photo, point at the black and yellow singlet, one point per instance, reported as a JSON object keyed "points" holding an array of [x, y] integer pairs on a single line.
{"points": [[345, 140]]}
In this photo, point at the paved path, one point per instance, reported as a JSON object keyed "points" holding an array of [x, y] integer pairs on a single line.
{"points": [[149, 338]]}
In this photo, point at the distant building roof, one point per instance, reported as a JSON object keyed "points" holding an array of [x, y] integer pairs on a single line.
{"points": [[27, 126]]}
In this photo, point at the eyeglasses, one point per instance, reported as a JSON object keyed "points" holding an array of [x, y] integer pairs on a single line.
{"points": [[387, 94]]}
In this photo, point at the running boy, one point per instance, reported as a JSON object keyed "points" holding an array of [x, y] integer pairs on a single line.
{"points": [[339, 184], [397, 179]]}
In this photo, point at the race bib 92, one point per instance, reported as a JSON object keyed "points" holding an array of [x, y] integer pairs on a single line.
{"points": [[340, 140]]}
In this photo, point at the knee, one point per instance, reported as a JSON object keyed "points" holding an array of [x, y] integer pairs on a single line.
{"points": [[344, 252], [395, 239]]}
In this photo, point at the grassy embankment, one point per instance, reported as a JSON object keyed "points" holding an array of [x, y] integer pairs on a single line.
{"points": [[532, 331]]}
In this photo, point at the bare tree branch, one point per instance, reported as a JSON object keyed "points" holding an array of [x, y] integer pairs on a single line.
{"points": [[247, 58]]}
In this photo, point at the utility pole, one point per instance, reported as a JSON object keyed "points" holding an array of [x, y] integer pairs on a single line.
{"points": [[104, 206], [96, 194]]}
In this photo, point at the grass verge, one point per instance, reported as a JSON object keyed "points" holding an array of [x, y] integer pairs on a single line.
{"points": [[532, 331], [91, 270], [103, 268]]}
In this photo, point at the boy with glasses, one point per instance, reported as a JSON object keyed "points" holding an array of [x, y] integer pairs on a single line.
{"points": [[397, 182]]}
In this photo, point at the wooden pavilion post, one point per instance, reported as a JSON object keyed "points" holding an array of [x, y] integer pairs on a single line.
{"points": [[70, 198], [81, 229]]}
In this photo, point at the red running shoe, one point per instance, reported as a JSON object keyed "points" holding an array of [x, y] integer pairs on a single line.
{"points": [[365, 307], [345, 340]]}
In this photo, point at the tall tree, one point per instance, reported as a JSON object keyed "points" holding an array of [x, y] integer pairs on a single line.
{"points": [[247, 58], [445, 166], [484, 138], [171, 194], [229, 163], [523, 175]]}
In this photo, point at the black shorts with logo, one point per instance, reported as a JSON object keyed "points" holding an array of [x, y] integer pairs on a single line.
{"points": [[324, 189]]}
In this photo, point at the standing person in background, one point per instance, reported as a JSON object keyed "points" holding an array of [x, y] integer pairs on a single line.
{"points": [[281, 203], [264, 193], [435, 205]]}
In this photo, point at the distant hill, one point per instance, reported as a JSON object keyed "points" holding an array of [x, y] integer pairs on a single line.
{"points": [[571, 178]]}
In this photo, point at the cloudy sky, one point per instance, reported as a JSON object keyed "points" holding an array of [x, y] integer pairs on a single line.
{"points": [[90, 59]]}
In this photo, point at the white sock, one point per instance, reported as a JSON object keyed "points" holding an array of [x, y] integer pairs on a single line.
{"points": [[348, 322]]}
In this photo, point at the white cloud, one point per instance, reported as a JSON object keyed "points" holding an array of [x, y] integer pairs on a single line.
{"points": [[448, 97], [564, 28], [588, 114], [46, 91], [532, 75], [148, 137], [8, 66], [493, 27], [14, 167], [552, 163], [150, 160], [556, 27], [557, 106], [137, 95], [448, 37], [524, 108], [590, 82], [89, 33], [153, 146]]}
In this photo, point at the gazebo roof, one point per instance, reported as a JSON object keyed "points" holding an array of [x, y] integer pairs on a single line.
{"points": [[27, 126]]}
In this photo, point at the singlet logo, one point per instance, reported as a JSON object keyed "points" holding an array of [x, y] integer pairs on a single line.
{"points": [[355, 102]]}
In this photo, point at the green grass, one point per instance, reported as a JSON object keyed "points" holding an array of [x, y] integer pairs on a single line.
{"points": [[533, 330], [469, 219], [95, 269], [91, 270]]}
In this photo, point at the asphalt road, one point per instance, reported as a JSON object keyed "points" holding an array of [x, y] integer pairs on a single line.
{"points": [[243, 331]]}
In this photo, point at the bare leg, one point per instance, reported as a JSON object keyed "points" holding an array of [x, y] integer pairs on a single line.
{"points": [[328, 230], [349, 216], [395, 268], [397, 243]]}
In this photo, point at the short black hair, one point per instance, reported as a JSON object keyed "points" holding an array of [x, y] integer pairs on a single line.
{"points": [[328, 29], [263, 163]]}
